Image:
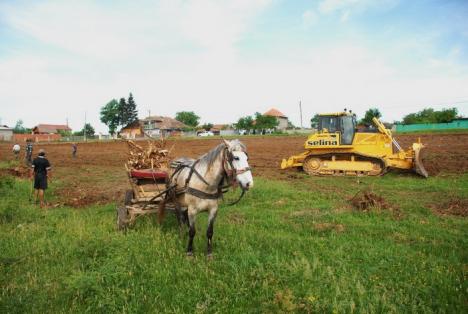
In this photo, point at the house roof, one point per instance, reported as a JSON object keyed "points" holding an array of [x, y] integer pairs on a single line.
{"points": [[133, 125], [165, 123], [51, 128], [5, 127], [274, 113]]}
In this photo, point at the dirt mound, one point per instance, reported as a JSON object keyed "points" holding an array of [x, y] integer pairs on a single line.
{"points": [[20, 171], [367, 200], [454, 207]]}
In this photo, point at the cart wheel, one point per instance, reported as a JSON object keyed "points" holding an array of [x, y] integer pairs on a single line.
{"points": [[128, 197], [122, 217]]}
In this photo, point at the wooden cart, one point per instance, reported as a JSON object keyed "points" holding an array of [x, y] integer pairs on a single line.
{"points": [[148, 190]]}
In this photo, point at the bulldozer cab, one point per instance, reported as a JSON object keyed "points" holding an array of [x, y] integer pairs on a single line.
{"points": [[343, 123]]}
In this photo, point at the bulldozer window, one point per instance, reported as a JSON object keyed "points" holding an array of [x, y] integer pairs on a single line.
{"points": [[347, 133], [329, 123]]}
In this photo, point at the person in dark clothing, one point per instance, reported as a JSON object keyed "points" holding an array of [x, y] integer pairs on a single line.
{"points": [[41, 170], [74, 149], [29, 151]]}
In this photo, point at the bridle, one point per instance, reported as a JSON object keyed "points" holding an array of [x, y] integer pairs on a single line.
{"points": [[228, 165]]}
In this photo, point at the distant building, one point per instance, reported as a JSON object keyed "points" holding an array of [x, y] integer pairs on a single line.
{"points": [[280, 117], [153, 126], [50, 128], [165, 126], [6, 133], [133, 130]]}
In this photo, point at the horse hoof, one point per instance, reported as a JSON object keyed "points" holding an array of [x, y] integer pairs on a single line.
{"points": [[189, 254], [209, 256]]}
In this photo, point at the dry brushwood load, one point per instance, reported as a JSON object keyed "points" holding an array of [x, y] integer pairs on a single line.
{"points": [[154, 156]]}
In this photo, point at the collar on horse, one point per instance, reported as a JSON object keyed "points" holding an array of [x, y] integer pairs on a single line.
{"points": [[229, 175]]}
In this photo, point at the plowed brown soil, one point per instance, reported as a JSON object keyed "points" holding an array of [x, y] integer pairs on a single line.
{"points": [[97, 174]]}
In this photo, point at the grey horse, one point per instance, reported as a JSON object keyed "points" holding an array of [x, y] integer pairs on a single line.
{"points": [[197, 185]]}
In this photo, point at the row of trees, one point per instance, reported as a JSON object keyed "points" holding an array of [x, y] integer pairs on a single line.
{"points": [[430, 115], [427, 115], [192, 120], [258, 122], [119, 113]]}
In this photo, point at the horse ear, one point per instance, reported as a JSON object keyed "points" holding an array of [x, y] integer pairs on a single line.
{"points": [[226, 143]]}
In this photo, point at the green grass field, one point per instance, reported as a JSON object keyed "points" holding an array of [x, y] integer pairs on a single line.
{"points": [[287, 247]]}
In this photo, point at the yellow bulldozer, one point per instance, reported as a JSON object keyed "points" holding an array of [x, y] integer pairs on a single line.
{"points": [[340, 148]]}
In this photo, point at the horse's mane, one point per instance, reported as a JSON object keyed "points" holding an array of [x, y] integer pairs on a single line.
{"points": [[209, 158]]}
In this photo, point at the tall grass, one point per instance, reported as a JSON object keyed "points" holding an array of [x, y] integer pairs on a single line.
{"points": [[295, 247]]}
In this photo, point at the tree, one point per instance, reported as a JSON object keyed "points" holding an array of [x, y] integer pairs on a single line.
{"points": [[429, 115], [369, 115], [87, 129], [19, 128], [64, 132], [110, 115], [263, 122], [244, 123], [188, 118], [128, 111], [314, 121], [207, 126]]}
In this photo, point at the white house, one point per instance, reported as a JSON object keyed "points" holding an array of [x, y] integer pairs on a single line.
{"points": [[6, 133], [280, 117]]}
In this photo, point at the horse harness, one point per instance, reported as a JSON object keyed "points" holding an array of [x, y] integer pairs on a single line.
{"points": [[229, 176]]}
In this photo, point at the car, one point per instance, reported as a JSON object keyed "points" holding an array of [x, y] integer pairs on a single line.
{"points": [[205, 133], [242, 132]]}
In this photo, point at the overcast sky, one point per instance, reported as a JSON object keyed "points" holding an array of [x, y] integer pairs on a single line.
{"points": [[227, 59]]}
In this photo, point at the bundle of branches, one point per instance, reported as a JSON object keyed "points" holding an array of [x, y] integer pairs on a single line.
{"points": [[154, 156]]}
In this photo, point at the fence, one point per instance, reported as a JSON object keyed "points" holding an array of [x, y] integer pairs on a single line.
{"points": [[36, 137], [301, 131], [455, 124]]}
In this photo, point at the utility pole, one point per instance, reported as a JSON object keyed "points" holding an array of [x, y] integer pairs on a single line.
{"points": [[300, 109], [84, 129]]}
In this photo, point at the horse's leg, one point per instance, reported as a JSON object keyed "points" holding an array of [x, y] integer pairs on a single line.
{"points": [[191, 217], [209, 230], [186, 219], [178, 213]]}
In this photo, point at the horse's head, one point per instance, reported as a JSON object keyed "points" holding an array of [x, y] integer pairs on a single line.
{"points": [[237, 161]]}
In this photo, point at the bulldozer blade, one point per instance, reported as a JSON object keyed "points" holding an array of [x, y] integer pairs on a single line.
{"points": [[285, 163], [418, 165]]}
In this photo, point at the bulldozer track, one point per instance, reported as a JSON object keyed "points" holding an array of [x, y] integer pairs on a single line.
{"points": [[328, 165]]}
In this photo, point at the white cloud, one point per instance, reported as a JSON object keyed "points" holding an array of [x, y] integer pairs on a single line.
{"points": [[184, 55], [346, 8], [309, 18]]}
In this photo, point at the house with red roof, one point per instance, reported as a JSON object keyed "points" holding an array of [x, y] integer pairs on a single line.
{"points": [[280, 117], [50, 128]]}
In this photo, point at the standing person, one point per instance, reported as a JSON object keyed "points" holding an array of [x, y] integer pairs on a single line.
{"points": [[29, 151], [42, 170], [74, 149], [16, 150]]}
